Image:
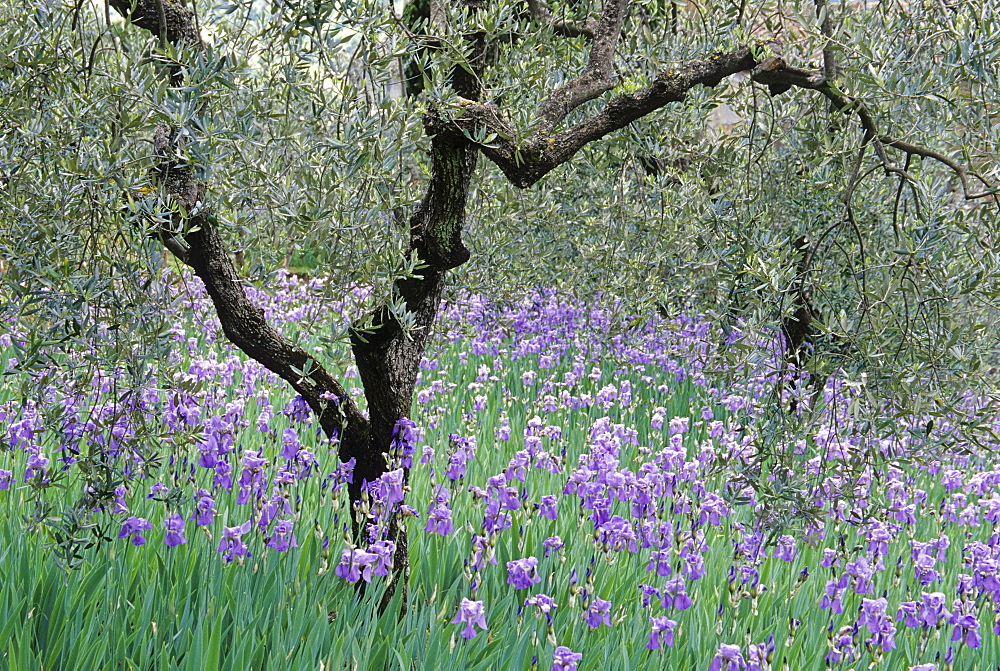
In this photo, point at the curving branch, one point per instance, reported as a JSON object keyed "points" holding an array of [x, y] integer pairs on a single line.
{"points": [[777, 74], [598, 77], [527, 163], [201, 247]]}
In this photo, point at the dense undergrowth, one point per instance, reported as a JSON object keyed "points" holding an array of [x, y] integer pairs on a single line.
{"points": [[582, 495]]}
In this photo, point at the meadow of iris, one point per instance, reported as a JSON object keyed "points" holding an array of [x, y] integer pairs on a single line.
{"points": [[578, 493]]}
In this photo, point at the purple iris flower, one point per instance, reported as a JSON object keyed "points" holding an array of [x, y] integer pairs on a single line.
{"points": [[694, 566], [133, 527], [174, 524], [547, 507], [232, 544], [404, 439], [503, 430], [932, 609], [383, 551], [5, 479], [786, 549], [878, 538], [662, 633], [678, 425], [619, 534], [659, 560], [862, 571], [290, 442], [843, 648], [966, 630], [523, 573], [552, 543], [439, 520], [356, 564], [120, 506], [283, 536], [597, 613], [517, 469], [208, 451], [749, 576], [760, 655], [648, 594], [298, 410], [464, 450], [37, 463], [713, 507], [544, 604], [204, 508], [728, 658], [252, 478], [483, 551], [951, 479], [675, 594], [456, 466], [907, 612], [874, 617], [564, 659], [223, 476], [473, 615], [351, 561], [923, 566], [833, 595], [389, 487]]}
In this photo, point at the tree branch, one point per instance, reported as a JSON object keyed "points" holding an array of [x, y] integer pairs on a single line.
{"points": [[779, 73], [243, 322], [166, 20], [527, 163], [203, 249], [597, 78]]}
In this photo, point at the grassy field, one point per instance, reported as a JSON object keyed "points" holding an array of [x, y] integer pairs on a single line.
{"points": [[586, 486]]}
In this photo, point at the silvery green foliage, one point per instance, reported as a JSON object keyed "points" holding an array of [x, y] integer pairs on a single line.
{"points": [[294, 117], [904, 279]]}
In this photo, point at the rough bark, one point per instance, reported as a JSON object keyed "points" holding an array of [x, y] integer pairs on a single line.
{"points": [[388, 353], [166, 20], [243, 322], [797, 326], [544, 150], [597, 78], [200, 246]]}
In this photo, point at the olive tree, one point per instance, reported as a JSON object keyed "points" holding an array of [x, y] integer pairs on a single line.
{"points": [[793, 219]]}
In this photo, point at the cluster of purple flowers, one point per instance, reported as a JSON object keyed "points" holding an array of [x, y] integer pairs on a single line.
{"points": [[357, 564], [641, 485]]}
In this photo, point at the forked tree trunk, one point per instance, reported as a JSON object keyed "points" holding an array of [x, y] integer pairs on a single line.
{"points": [[387, 354]]}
